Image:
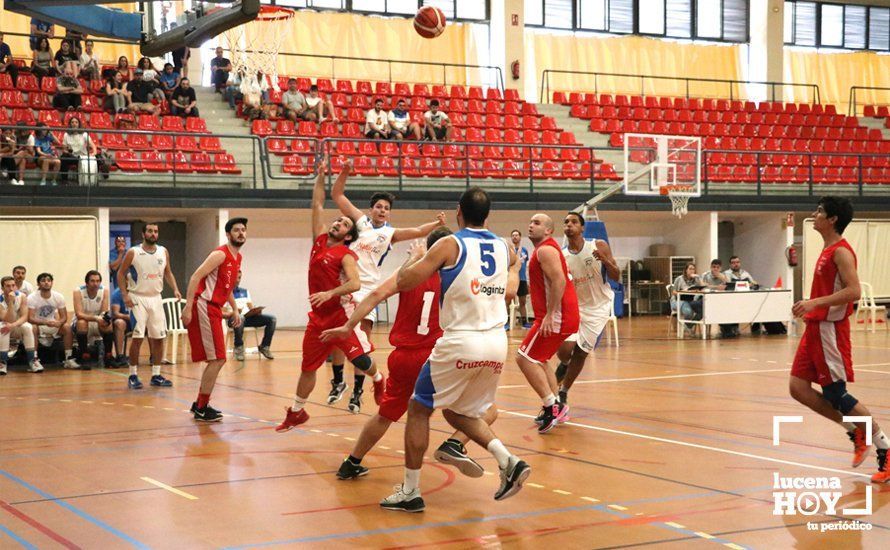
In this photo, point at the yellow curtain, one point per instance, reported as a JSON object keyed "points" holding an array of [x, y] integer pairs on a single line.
{"points": [[108, 53], [632, 55], [836, 72], [352, 35]]}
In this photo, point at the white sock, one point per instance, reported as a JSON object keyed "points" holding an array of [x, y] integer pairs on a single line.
{"points": [[377, 377], [880, 440], [412, 481], [501, 454], [299, 403], [68, 353], [156, 370], [849, 426], [550, 400], [133, 369]]}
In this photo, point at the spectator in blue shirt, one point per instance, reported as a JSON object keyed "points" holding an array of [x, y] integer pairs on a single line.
{"points": [[6, 62], [40, 29], [116, 258], [122, 323], [257, 319], [45, 144], [522, 293], [169, 79]]}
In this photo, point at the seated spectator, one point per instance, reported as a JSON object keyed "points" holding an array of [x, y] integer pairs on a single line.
{"points": [[89, 62], [23, 286], [152, 75], [294, 102], [322, 107], [232, 93], [91, 317], [40, 29], [123, 67], [48, 316], [73, 38], [141, 91], [24, 149], [714, 279], [42, 61], [122, 322], [256, 98], [116, 258], [255, 320], [691, 310], [76, 144], [220, 67], [400, 125], [437, 126], [68, 96], [14, 324], [66, 55], [183, 100], [8, 160], [7, 63], [46, 145], [169, 79], [117, 98], [377, 122]]}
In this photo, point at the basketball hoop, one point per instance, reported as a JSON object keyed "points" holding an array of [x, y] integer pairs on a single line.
{"points": [[254, 45], [679, 195]]}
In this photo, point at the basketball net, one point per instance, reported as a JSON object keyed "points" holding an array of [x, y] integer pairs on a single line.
{"points": [[679, 195], [254, 46]]}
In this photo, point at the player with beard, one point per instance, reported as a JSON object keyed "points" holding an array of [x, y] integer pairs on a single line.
{"points": [[211, 286]]}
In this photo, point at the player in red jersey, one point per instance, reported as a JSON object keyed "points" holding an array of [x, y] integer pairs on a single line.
{"points": [[824, 354], [210, 287], [556, 318], [333, 277]]}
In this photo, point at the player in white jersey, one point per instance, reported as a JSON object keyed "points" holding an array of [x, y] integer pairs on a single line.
{"points": [[478, 272], [48, 316], [14, 324], [589, 262], [91, 317], [375, 239], [23, 286], [141, 280]]}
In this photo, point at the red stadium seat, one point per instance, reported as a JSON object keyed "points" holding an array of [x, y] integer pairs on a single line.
{"points": [[225, 164], [128, 161]]}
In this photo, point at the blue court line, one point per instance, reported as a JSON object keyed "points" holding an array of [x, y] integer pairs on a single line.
{"points": [[22, 542], [95, 521]]}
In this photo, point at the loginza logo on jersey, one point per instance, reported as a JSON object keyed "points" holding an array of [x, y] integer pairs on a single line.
{"points": [[480, 288]]}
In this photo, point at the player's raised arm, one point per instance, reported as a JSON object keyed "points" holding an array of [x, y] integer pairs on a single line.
{"points": [[213, 260], [338, 194], [412, 273], [409, 233], [318, 226], [385, 290], [603, 253]]}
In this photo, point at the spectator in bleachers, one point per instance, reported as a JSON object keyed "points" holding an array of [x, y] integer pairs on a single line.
{"points": [[169, 79], [152, 75], [232, 93], [256, 99], [23, 286], [45, 145], [8, 160], [73, 38], [42, 61], [294, 102], [40, 29], [89, 62], [437, 125], [123, 67], [183, 100], [322, 106], [76, 143], [116, 95], [24, 153], [66, 55], [141, 92], [400, 124], [7, 64], [377, 122], [220, 67], [68, 95]]}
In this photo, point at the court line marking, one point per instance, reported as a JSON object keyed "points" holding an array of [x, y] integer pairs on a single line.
{"points": [[664, 377], [697, 446], [18, 539], [166, 487]]}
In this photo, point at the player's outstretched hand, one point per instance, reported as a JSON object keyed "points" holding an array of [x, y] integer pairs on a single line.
{"points": [[347, 166], [319, 298], [332, 334], [417, 249], [440, 217]]}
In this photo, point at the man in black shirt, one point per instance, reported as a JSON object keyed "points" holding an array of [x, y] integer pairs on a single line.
{"points": [[182, 100], [140, 94], [6, 62], [220, 68]]}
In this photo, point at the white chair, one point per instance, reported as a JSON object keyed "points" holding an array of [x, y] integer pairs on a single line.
{"points": [[173, 312], [673, 314], [868, 306], [613, 320]]}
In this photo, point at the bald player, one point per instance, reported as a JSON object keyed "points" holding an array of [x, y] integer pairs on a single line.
{"points": [[555, 306]]}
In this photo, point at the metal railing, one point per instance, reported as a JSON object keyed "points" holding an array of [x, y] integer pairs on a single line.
{"points": [[732, 91], [853, 109]]}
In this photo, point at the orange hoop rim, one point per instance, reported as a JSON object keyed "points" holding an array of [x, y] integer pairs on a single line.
{"points": [[677, 188], [268, 14]]}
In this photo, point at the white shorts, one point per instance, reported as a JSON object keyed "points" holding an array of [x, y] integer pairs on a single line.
{"points": [[149, 314], [591, 328], [20, 333], [92, 330], [46, 335], [361, 295], [462, 372]]}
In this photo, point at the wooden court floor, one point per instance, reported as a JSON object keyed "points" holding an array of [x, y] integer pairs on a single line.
{"points": [[670, 445]]}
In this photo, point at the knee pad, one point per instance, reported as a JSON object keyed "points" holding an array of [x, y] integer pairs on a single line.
{"points": [[362, 362], [836, 394]]}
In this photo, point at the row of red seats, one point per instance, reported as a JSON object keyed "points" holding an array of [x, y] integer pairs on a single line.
{"points": [[148, 142], [153, 161], [877, 111], [455, 168], [417, 103], [714, 117], [29, 83], [103, 121], [788, 145], [694, 104], [735, 130], [782, 159], [387, 89], [796, 174]]}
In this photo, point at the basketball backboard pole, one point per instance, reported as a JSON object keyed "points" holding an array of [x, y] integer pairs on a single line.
{"points": [[195, 32], [585, 208]]}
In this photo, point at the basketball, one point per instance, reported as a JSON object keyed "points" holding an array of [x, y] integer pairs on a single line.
{"points": [[429, 22]]}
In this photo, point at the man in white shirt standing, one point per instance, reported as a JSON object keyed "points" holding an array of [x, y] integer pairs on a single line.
{"points": [[48, 316], [14, 324], [377, 122], [437, 125], [23, 286], [91, 307], [141, 280]]}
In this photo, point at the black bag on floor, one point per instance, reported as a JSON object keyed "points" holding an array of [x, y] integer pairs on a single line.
{"points": [[775, 328]]}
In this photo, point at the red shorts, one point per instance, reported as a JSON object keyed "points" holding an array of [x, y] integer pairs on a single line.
{"points": [[540, 348], [404, 366], [824, 354], [315, 352], [205, 331]]}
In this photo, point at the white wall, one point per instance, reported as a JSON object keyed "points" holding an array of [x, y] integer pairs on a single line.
{"points": [[760, 241]]}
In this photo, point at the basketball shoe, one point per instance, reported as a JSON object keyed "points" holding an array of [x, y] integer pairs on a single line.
{"points": [[404, 502], [860, 449], [349, 470], [883, 473], [452, 452], [337, 391], [552, 415], [206, 413], [35, 366], [292, 420], [512, 478], [161, 382], [134, 383], [355, 402]]}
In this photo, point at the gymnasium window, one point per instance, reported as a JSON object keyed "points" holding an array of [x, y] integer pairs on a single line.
{"points": [[454, 10], [829, 25]]}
